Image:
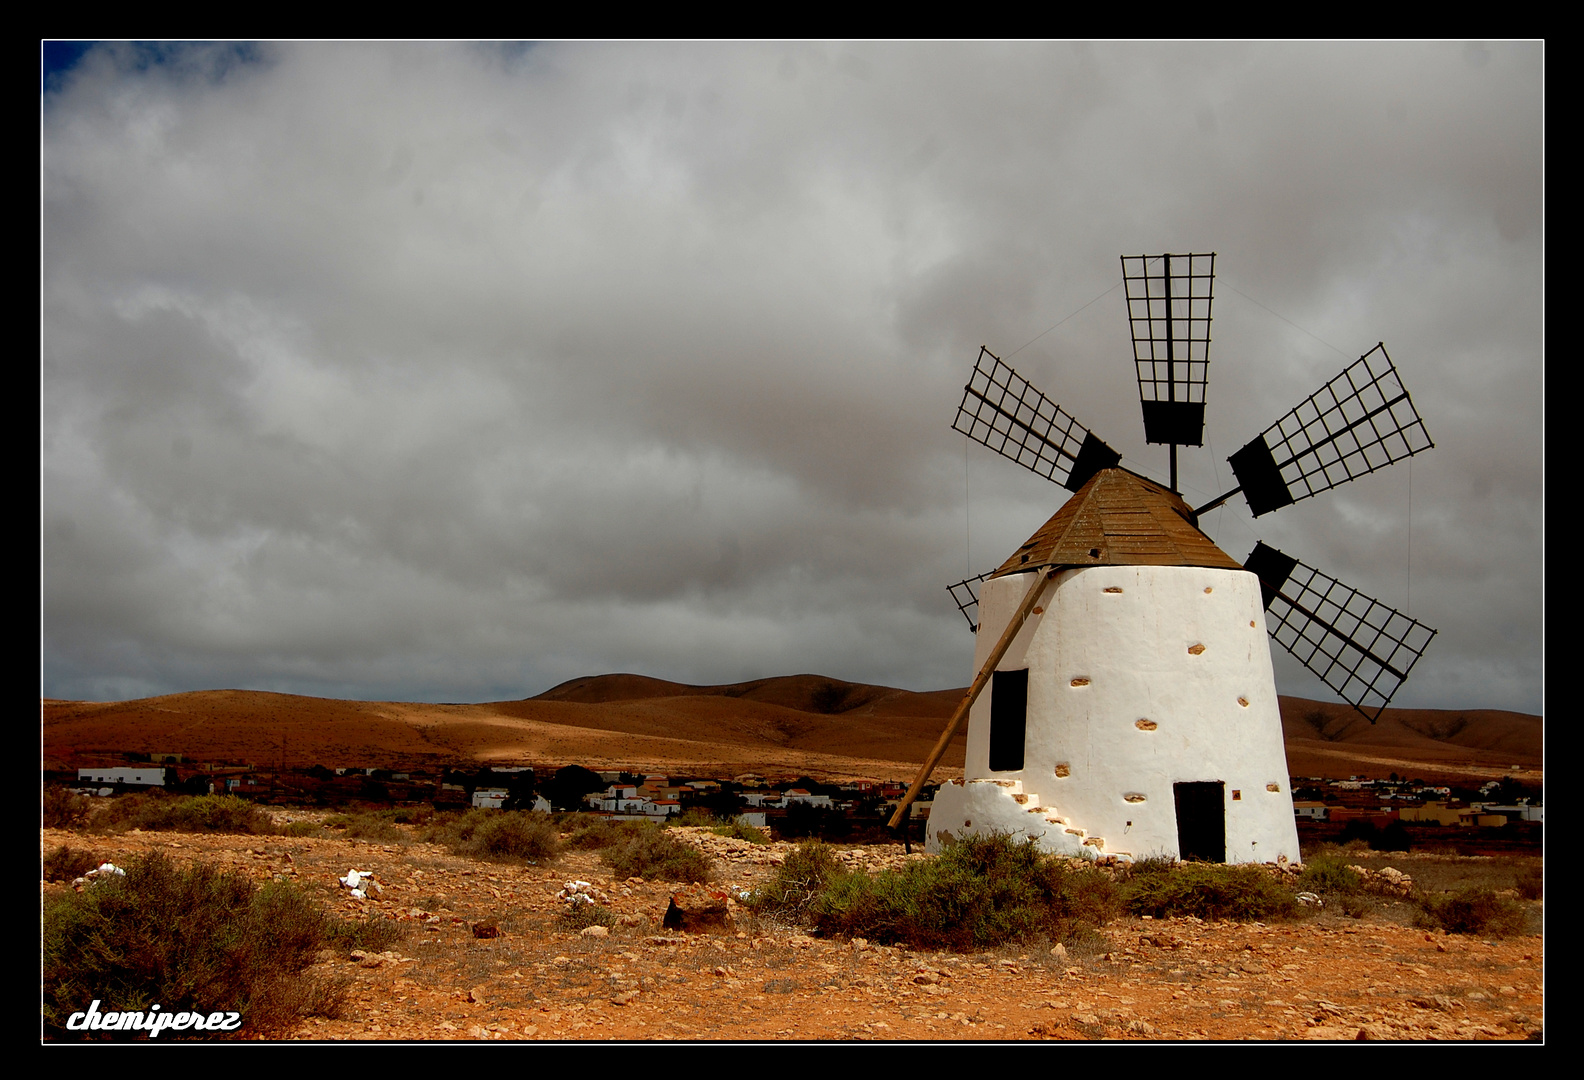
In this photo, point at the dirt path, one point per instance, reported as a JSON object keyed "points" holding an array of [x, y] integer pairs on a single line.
{"points": [[1327, 978]]}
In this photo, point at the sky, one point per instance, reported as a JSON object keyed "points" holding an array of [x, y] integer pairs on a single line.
{"points": [[449, 372]]}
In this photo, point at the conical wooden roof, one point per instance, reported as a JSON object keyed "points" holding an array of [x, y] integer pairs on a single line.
{"points": [[1120, 519]]}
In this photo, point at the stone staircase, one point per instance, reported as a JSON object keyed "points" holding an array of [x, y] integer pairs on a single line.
{"points": [[1052, 817]]}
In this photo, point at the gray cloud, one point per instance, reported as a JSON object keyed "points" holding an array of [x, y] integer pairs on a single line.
{"points": [[448, 372]]}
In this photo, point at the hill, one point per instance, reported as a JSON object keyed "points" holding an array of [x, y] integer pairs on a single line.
{"points": [[797, 723]]}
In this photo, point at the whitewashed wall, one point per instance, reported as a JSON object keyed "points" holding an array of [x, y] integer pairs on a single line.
{"points": [[1139, 677]]}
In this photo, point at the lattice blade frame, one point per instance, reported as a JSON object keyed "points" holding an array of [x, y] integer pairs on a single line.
{"points": [[1360, 421], [1001, 410], [1358, 646], [1169, 300], [966, 595]]}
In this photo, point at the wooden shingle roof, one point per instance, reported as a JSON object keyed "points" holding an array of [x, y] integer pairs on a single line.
{"points": [[1120, 519]]}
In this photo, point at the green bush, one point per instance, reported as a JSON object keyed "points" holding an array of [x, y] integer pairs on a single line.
{"points": [[374, 826], [449, 828], [421, 814], [189, 813], [499, 835], [516, 834], [304, 828], [194, 939], [1472, 911], [798, 880], [1531, 883], [1330, 876], [738, 829], [1356, 906], [373, 934], [66, 864], [981, 892], [589, 833], [579, 916], [651, 853], [696, 817], [1207, 891]]}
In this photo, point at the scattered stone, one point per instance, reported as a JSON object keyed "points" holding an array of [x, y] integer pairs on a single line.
{"points": [[696, 908]]}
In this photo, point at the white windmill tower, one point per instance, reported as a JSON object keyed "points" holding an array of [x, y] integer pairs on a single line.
{"points": [[1132, 707]]}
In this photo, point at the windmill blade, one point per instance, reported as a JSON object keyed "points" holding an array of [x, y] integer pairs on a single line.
{"points": [[1169, 299], [966, 595], [1002, 411], [1358, 646], [1360, 421]]}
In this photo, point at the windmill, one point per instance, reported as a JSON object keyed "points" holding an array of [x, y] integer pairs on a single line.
{"points": [[1132, 706]]}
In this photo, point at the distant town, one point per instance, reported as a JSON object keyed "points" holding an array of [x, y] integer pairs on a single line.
{"points": [[793, 806]]}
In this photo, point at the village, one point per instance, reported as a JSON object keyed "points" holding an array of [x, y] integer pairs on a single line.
{"points": [[1325, 808]]}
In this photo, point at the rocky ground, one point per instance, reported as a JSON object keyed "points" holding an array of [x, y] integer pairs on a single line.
{"points": [[1326, 978]]}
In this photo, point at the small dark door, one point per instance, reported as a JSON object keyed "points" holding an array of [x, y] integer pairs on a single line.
{"points": [[1201, 820], [1008, 719]]}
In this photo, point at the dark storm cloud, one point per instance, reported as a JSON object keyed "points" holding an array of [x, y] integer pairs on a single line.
{"points": [[447, 372]]}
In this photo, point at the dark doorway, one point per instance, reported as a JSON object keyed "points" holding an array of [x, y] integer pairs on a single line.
{"points": [[1008, 719], [1201, 820]]}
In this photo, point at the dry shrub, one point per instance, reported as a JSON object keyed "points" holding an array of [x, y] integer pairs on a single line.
{"points": [[738, 829], [195, 939], [1207, 891], [1474, 911], [981, 892], [497, 835], [651, 853], [514, 835], [579, 916], [188, 813], [1330, 876], [797, 881], [66, 864], [61, 808], [375, 826], [589, 833]]}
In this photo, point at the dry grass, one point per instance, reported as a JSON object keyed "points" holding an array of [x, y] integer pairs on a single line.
{"points": [[192, 939]]}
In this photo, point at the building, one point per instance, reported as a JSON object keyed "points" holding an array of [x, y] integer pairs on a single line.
{"points": [[1135, 710], [130, 776]]}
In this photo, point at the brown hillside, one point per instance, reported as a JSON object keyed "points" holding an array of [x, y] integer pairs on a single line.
{"points": [[1330, 738], [804, 693], [681, 731], [800, 723]]}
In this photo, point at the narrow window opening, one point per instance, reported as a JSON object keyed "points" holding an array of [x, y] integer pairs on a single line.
{"points": [[1008, 719]]}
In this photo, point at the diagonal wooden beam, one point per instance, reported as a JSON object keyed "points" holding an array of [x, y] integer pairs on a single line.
{"points": [[980, 682]]}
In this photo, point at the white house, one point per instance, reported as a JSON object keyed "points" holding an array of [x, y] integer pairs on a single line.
{"points": [[802, 796], [149, 777]]}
